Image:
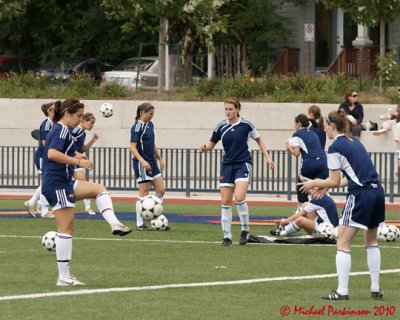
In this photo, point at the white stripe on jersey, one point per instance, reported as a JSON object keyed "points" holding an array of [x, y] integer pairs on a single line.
{"points": [[48, 125], [337, 161], [141, 136], [64, 132], [222, 123], [248, 122], [321, 212], [298, 142], [138, 126]]}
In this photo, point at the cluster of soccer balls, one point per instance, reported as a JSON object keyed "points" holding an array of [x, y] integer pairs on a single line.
{"points": [[387, 233], [151, 208]]}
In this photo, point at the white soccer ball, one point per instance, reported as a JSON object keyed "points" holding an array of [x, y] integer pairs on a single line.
{"points": [[107, 109], [49, 241], [150, 207], [388, 233], [160, 223], [326, 229]]}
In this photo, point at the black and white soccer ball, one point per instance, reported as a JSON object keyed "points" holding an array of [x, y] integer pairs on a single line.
{"points": [[107, 109], [388, 233], [160, 223], [326, 229], [49, 241], [150, 207]]}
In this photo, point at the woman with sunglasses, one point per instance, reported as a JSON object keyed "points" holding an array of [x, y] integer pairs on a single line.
{"points": [[354, 111], [365, 202]]}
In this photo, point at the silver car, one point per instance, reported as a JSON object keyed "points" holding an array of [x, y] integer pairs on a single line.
{"points": [[126, 73]]}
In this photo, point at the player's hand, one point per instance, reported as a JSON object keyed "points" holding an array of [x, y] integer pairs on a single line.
{"points": [[318, 193], [284, 222], [95, 137], [271, 164], [147, 167], [306, 186], [203, 148], [85, 163], [162, 165]]}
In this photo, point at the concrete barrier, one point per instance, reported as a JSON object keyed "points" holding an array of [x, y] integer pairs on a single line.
{"points": [[179, 124]]}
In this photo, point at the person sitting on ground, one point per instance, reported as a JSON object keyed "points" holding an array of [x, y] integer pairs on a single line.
{"points": [[390, 120], [309, 217]]}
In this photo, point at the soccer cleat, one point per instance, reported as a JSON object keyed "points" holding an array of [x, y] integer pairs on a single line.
{"points": [[276, 232], [29, 208], [244, 237], [143, 227], [335, 296], [120, 229], [377, 295], [48, 215], [71, 281], [90, 211], [227, 242]]}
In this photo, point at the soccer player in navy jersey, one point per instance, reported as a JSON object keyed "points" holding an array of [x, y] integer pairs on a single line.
{"points": [[305, 142], [310, 216], [45, 126], [236, 168], [79, 135], [61, 190], [145, 155], [317, 124], [365, 202]]}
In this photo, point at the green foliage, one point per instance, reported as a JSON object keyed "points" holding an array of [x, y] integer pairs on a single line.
{"points": [[368, 12], [10, 9], [389, 68]]}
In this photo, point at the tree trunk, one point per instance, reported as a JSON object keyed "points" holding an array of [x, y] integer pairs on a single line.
{"points": [[382, 46], [161, 55]]}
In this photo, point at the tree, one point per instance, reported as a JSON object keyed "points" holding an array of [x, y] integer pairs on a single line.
{"points": [[370, 13], [10, 9], [191, 22]]}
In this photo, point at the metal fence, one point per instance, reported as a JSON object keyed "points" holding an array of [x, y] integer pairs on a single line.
{"points": [[187, 170]]}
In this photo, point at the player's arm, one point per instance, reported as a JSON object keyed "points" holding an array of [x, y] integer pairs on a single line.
{"points": [[264, 151], [293, 217], [207, 147], [293, 150], [136, 154], [332, 181], [85, 147], [159, 158], [60, 157]]}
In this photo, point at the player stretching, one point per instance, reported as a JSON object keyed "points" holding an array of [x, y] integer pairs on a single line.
{"points": [[236, 167], [62, 191], [365, 202]]}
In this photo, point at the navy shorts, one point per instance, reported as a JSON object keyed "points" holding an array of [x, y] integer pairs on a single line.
{"points": [[314, 169], [61, 196], [142, 175], [364, 208], [232, 173]]}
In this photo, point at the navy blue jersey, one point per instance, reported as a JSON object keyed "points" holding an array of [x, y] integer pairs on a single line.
{"points": [[321, 135], [79, 136], [57, 174], [235, 140], [308, 142], [143, 134], [351, 157], [45, 127], [325, 209]]}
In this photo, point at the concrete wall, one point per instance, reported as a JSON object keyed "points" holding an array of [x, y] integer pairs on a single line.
{"points": [[178, 124]]}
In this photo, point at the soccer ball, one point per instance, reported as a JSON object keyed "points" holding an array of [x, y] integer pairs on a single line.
{"points": [[388, 233], [107, 109], [49, 241], [160, 223], [150, 207], [326, 229]]}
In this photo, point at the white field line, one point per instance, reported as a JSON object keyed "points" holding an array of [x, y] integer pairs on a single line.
{"points": [[191, 241], [182, 285]]}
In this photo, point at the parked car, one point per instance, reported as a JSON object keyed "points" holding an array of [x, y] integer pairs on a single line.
{"points": [[126, 73], [16, 64], [62, 69]]}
